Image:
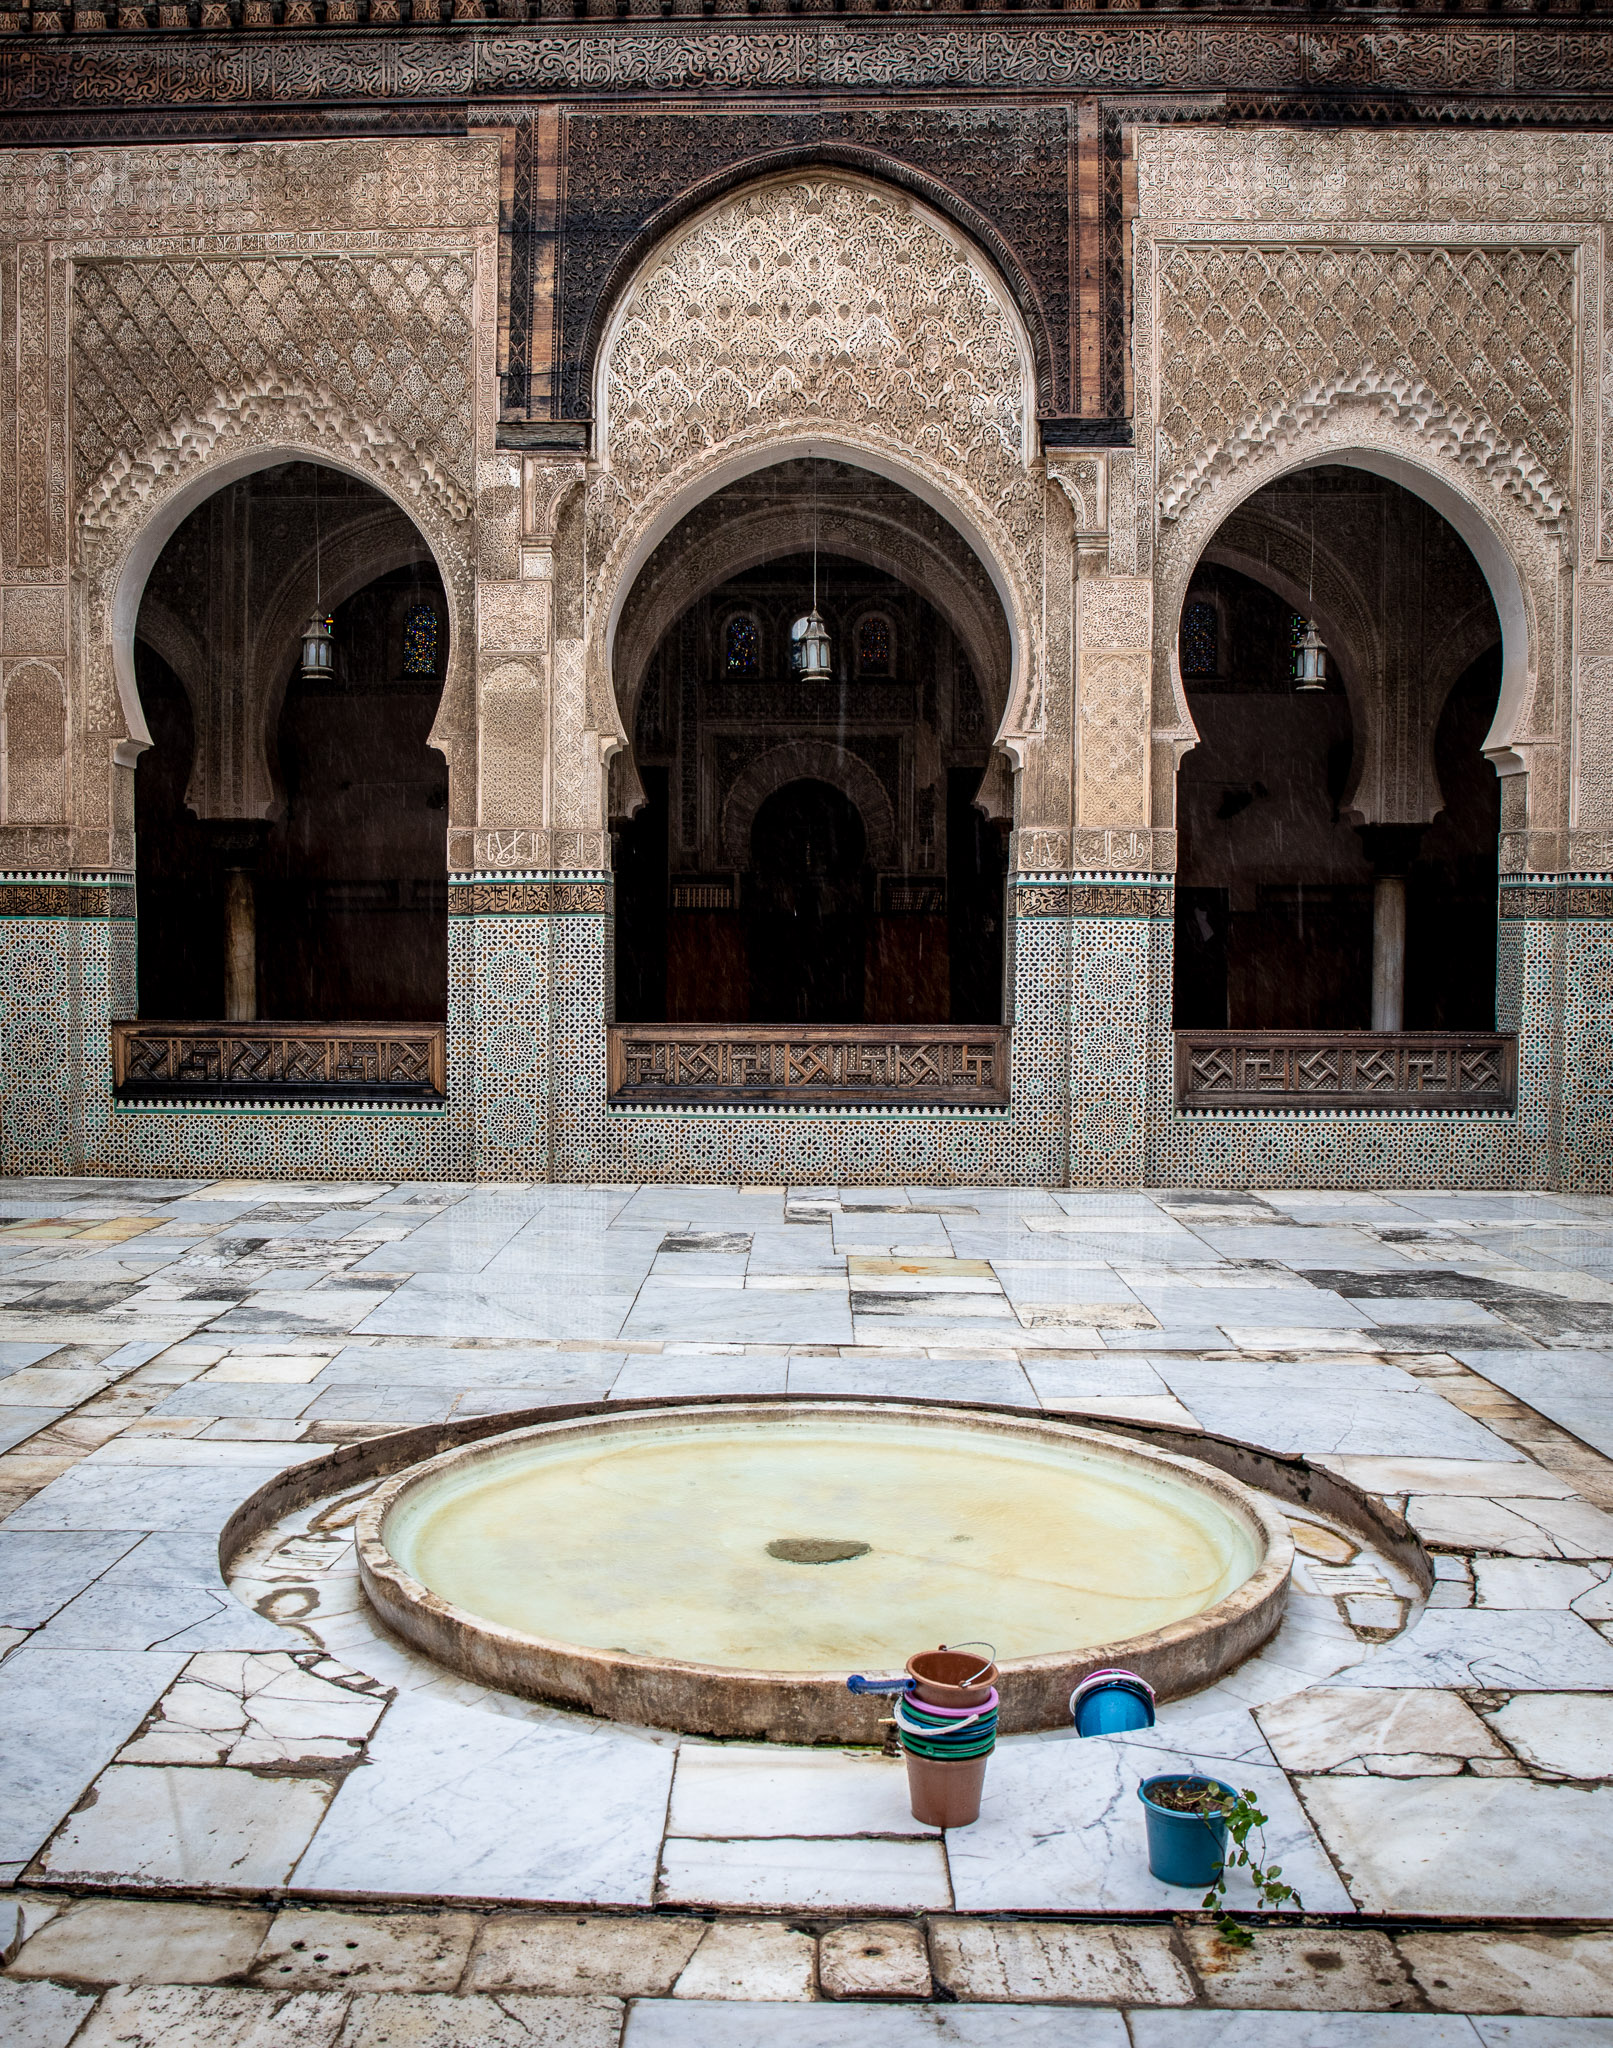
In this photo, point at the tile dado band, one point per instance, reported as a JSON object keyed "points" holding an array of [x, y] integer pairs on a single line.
{"points": [[1555, 899], [1092, 899], [67, 896], [530, 898]]}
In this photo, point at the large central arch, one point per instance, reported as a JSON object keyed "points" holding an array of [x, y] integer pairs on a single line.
{"points": [[814, 314]]}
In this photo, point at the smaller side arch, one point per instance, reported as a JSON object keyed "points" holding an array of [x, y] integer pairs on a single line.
{"points": [[809, 761]]}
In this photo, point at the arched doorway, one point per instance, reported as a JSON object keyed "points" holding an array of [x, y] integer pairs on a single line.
{"points": [[290, 813], [800, 844], [809, 902], [1338, 821]]}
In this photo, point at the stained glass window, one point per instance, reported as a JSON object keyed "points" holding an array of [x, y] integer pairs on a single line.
{"points": [[1296, 636], [743, 646], [420, 640], [1200, 653], [874, 646]]}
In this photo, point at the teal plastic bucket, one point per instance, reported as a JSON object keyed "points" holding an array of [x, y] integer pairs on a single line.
{"points": [[1184, 1848], [1112, 1703]]}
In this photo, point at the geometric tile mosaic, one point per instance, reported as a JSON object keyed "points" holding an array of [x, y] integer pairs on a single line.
{"points": [[1090, 1084]]}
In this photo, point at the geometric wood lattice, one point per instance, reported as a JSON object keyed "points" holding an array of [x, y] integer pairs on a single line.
{"points": [[896, 1065], [1345, 1070], [243, 1061]]}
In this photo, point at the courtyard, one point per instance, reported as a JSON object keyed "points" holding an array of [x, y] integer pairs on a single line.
{"points": [[241, 1811]]}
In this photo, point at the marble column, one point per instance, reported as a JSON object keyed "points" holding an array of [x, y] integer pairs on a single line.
{"points": [[237, 843], [1391, 850]]}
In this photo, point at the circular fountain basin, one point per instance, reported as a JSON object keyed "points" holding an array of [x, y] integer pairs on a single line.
{"points": [[722, 1569]]}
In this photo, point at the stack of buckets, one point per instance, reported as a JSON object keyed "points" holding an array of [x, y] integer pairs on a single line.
{"points": [[946, 1721]]}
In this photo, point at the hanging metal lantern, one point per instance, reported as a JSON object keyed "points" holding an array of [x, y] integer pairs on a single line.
{"points": [[319, 647], [810, 640], [1310, 660]]}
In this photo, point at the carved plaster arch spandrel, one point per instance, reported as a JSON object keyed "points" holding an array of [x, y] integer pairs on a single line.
{"points": [[1471, 348], [815, 314], [809, 761]]}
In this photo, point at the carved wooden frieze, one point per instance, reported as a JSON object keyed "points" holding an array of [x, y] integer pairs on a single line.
{"points": [[869, 1065], [1394, 1070], [237, 1061]]}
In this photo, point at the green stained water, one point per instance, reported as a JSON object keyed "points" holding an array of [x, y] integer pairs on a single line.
{"points": [[655, 1542]]}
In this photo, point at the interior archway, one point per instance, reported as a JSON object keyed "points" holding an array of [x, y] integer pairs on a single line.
{"points": [[311, 806], [730, 734], [1317, 822]]}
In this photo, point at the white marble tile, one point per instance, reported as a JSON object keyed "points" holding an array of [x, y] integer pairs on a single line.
{"points": [[649, 1379], [752, 1959], [555, 1808], [923, 1379], [132, 1497], [1533, 1582], [1504, 1649], [1448, 1475], [732, 1790], [458, 1309], [63, 1714], [1300, 2030], [188, 1827], [1061, 1829], [1469, 1522], [264, 1711], [41, 2015], [1509, 2032], [166, 1593], [197, 2016], [1466, 1846], [1568, 1734], [41, 1570], [831, 1875], [1332, 1415], [1330, 1726], [683, 2023], [735, 1316]]}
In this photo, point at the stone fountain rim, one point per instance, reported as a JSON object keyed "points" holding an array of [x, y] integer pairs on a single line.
{"points": [[813, 1706]]}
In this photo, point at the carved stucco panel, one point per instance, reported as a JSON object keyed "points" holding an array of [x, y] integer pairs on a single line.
{"points": [[1474, 347], [513, 741], [34, 619], [33, 712], [167, 354], [513, 617], [1116, 621], [1245, 175], [1592, 809]]}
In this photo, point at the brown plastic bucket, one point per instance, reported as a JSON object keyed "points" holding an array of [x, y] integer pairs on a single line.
{"points": [[938, 1677], [945, 1795]]}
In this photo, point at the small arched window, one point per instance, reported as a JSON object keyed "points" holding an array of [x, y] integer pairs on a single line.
{"points": [[1200, 642], [874, 645], [742, 646], [421, 633]]}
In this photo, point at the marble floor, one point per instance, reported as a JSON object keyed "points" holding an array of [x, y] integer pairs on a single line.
{"points": [[239, 1810]]}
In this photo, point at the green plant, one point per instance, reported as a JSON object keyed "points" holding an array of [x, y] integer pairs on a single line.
{"points": [[1243, 1818]]}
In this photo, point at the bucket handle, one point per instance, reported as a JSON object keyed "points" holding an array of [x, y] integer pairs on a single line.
{"points": [[980, 1644]]}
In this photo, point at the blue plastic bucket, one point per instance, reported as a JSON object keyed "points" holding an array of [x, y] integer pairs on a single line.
{"points": [[1112, 1703], [1184, 1848]]}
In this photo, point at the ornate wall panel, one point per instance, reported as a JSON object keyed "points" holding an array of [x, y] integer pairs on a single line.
{"points": [[35, 727], [1116, 628]]}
